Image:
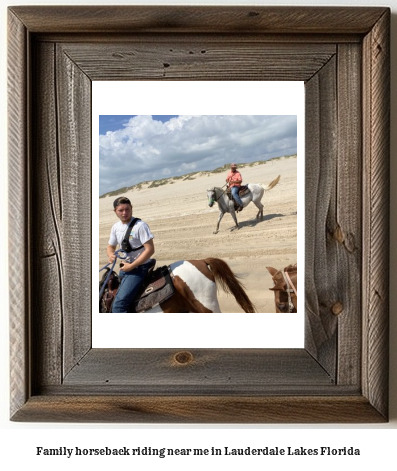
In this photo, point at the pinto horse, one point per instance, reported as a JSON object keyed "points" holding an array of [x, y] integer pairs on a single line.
{"points": [[196, 283], [226, 205], [285, 288]]}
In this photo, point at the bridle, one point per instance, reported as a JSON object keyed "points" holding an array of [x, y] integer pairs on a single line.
{"points": [[289, 290]]}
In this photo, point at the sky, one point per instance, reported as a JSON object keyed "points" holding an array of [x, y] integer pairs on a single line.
{"points": [[136, 148]]}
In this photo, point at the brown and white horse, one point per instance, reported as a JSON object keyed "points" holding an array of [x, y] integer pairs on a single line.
{"points": [[196, 284], [285, 288]]}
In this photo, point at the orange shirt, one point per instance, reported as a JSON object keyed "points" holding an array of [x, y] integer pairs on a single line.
{"points": [[232, 177]]}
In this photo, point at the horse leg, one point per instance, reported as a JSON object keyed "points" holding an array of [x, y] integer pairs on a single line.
{"points": [[259, 205], [233, 214], [219, 221]]}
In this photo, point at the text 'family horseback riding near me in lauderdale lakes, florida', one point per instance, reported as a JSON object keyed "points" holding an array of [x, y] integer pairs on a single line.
{"points": [[148, 451]]}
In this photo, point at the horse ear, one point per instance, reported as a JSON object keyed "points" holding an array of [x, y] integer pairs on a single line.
{"points": [[272, 270]]}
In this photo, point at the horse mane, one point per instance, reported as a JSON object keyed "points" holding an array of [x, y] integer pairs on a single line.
{"points": [[229, 282]]}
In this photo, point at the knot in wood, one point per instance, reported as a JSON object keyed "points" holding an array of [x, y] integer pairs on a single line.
{"points": [[183, 358], [337, 308], [339, 235]]}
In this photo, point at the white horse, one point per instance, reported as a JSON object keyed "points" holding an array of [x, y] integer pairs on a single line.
{"points": [[227, 205]]}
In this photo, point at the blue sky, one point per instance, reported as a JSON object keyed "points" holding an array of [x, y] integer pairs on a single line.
{"points": [[116, 122], [136, 148]]}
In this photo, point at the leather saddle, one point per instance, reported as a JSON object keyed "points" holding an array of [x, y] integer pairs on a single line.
{"points": [[243, 190], [156, 288]]}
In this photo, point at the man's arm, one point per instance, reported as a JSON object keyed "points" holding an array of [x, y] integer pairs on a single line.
{"points": [[143, 257]]}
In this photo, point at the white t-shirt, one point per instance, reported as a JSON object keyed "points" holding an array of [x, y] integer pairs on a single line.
{"points": [[140, 234]]}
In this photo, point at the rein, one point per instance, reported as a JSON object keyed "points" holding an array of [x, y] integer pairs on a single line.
{"points": [[117, 253]]}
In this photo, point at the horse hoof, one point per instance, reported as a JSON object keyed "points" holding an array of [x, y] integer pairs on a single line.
{"points": [[215, 232]]}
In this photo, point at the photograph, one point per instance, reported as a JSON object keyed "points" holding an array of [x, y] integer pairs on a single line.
{"points": [[186, 175]]}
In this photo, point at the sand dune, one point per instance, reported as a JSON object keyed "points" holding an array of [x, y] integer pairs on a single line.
{"points": [[182, 223]]}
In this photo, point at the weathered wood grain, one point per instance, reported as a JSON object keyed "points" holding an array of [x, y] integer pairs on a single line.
{"points": [[47, 283], [73, 109], [226, 58], [199, 19], [19, 212], [320, 178], [333, 215], [346, 227], [62, 172], [376, 149], [228, 370], [341, 375], [199, 409]]}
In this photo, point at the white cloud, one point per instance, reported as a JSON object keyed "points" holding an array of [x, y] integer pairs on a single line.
{"points": [[148, 149]]}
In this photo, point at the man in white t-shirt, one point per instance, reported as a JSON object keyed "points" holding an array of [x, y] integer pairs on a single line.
{"points": [[140, 248]]}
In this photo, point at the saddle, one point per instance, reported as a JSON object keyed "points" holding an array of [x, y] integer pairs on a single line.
{"points": [[156, 288], [243, 190]]}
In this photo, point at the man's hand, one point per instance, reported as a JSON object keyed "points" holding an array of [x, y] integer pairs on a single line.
{"points": [[110, 250], [126, 267]]}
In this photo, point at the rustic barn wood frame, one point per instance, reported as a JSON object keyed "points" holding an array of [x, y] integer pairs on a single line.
{"points": [[342, 55]]}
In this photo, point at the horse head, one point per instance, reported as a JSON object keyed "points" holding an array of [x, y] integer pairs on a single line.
{"points": [[285, 296], [211, 195]]}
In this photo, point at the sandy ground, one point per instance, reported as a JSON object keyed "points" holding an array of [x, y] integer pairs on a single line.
{"points": [[182, 223]]}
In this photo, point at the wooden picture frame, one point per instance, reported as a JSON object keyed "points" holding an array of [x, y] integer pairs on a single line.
{"points": [[342, 54]]}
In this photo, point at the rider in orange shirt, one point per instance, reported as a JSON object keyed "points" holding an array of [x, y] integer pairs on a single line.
{"points": [[234, 181]]}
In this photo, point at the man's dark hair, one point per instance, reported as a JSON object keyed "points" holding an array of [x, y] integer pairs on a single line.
{"points": [[121, 200]]}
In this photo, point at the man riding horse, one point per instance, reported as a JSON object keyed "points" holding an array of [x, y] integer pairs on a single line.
{"points": [[183, 286], [136, 239], [234, 181]]}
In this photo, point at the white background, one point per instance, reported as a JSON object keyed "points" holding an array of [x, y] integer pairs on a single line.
{"points": [[227, 330], [377, 442]]}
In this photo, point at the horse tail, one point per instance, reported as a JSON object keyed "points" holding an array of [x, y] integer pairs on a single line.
{"points": [[272, 184], [229, 282]]}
